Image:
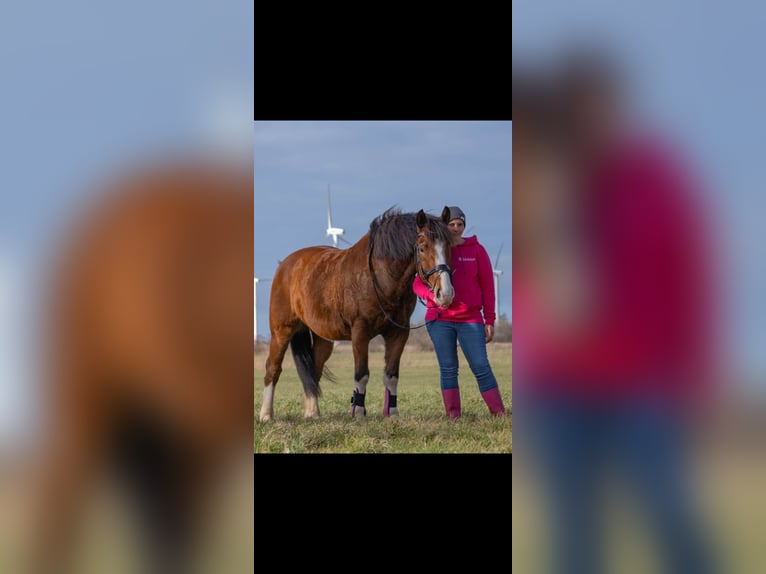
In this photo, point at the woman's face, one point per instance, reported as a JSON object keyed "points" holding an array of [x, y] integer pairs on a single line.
{"points": [[456, 227]]}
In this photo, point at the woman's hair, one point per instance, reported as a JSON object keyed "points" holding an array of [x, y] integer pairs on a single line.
{"points": [[588, 69]]}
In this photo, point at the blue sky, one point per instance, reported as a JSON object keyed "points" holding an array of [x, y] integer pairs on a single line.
{"points": [[697, 74], [371, 166]]}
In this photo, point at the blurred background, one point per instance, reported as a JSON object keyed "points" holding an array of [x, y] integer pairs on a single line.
{"points": [[693, 73], [92, 90]]}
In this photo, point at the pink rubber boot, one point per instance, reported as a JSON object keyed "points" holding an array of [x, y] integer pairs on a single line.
{"points": [[452, 402], [494, 401]]}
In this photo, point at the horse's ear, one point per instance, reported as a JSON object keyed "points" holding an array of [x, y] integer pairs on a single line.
{"points": [[421, 220], [445, 214]]}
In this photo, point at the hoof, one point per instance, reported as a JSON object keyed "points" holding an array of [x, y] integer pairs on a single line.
{"points": [[264, 418]]}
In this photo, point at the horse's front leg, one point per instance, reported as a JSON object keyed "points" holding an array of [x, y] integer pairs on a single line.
{"points": [[395, 342], [360, 342]]}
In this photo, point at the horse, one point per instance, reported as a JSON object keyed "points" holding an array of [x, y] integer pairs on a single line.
{"points": [[550, 252], [323, 294], [144, 341]]}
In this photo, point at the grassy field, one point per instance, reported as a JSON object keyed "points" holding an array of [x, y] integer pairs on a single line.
{"points": [[422, 426]]}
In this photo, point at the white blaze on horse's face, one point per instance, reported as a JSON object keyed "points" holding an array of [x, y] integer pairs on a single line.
{"points": [[433, 265], [443, 292]]}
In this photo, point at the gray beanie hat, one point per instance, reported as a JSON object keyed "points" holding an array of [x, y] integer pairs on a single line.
{"points": [[456, 213]]}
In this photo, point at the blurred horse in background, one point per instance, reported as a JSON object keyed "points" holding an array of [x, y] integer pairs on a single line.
{"points": [[550, 259], [148, 354]]}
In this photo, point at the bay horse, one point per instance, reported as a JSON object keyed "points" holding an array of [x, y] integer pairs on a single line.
{"points": [[550, 254], [323, 294], [147, 355]]}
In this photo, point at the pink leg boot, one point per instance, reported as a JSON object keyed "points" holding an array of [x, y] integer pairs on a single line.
{"points": [[494, 401], [452, 402]]}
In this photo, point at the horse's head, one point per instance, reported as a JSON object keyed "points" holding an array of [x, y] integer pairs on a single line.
{"points": [[433, 256]]}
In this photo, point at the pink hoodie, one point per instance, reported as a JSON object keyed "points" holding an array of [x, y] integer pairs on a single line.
{"points": [[474, 287], [653, 242]]}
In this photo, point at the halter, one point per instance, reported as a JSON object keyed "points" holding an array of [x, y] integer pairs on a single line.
{"points": [[442, 268]]}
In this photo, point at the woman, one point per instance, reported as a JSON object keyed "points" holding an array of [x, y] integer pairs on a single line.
{"points": [[615, 337], [470, 319]]}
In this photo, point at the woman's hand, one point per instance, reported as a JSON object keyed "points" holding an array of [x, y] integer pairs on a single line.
{"points": [[489, 332]]}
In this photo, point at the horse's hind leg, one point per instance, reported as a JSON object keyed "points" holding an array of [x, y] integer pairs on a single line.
{"points": [[280, 339], [321, 351], [395, 342]]}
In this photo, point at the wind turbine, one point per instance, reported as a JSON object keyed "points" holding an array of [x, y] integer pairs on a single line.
{"points": [[255, 306], [334, 232], [497, 273]]}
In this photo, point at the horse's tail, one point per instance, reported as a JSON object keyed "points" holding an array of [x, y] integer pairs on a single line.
{"points": [[301, 345]]}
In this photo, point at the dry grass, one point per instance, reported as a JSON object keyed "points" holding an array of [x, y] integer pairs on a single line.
{"points": [[422, 426]]}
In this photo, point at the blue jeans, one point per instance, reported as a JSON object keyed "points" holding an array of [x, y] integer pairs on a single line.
{"points": [[445, 335], [578, 443]]}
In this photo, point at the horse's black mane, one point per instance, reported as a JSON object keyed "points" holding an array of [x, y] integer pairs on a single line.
{"points": [[393, 234]]}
